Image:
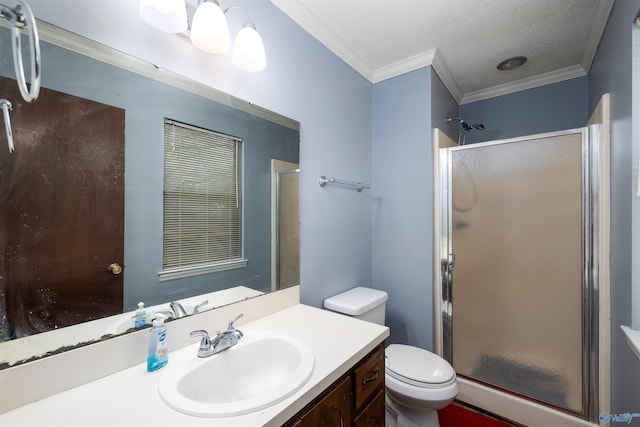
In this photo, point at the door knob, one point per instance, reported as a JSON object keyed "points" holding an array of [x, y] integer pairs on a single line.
{"points": [[115, 269]]}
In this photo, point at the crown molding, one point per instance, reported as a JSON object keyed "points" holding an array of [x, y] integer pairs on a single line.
{"points": [[401, 67], [433, 58], [603, 10], [528, 83], [312, 25], [446, 76]]}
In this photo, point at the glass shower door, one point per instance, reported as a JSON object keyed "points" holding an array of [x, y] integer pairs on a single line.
{"points": [[518, 291], [288, 228]]}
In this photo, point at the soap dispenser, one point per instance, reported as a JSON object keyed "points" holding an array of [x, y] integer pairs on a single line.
{"points": [[140, 318], [158, 355]]}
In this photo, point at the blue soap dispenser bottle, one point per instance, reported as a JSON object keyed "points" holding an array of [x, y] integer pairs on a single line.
{"points": [[158, 355], [140, 319]]}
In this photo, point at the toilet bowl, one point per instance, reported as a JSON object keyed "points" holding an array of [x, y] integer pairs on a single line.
{"points": [[417, 382]]}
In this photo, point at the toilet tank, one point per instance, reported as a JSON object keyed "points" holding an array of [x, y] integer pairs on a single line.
{"points": [[362, 303]]}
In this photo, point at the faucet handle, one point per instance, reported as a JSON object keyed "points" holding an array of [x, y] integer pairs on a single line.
{"points": [[199, 306], [230, 327], [205, 343]]}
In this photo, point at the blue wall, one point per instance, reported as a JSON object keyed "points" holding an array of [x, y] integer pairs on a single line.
{"points": [[402, 234], [611, 72], [548, 108], [442, 106], [405, 109]]}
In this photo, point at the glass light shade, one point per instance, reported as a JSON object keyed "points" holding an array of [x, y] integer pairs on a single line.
{"points": [[165, 15], [248, 51], [209, 29]]}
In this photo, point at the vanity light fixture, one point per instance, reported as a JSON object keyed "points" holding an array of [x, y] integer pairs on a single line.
{"points": [[207, 29], [165, 15]]}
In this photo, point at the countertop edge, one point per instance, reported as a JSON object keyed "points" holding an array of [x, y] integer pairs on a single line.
{"points": [[633, 339]]}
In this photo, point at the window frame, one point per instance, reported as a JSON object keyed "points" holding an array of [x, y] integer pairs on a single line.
{"points": [[184, 270]]}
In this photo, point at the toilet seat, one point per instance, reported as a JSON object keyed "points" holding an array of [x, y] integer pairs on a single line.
{"points": [[418, 367]]}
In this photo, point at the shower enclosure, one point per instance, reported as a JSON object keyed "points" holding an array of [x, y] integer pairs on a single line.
{"points": [[519, 229]]}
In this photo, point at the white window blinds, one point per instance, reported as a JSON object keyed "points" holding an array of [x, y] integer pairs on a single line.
{"points": [[202, 225]]}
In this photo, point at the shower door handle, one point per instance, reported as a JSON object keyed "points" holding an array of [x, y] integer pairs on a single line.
{"points": [[451, 262]]}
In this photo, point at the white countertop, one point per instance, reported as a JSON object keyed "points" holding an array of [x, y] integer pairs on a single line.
{"points": [[633, 338], [130, 397]]}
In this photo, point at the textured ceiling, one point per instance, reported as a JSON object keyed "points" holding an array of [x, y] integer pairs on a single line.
{"points": [[463, 40]]}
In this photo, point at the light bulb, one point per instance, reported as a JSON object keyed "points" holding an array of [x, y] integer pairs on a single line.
{"points": [[165, 15], [209, 29], [248, 51]]}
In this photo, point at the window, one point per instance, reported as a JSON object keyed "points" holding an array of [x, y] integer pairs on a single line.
{"points": [[202, 201]]}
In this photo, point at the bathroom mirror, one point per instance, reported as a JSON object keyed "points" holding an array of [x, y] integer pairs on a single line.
{"points": [[111, 108]]}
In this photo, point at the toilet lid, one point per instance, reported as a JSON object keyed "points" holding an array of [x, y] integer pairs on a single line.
{"points": [[417, 366]]}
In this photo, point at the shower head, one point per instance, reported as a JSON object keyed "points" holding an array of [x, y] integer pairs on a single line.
{"points": [[454, 119], [464, 128], [463, 124]]}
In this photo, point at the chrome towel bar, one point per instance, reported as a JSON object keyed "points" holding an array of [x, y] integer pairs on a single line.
{"points": [[358, 185]]}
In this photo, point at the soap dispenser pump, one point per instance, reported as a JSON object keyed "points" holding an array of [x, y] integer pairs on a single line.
{"points": [[158, 355], [140, 318]]}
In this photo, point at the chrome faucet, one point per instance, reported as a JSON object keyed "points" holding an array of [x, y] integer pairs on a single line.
{"points": [[222, 340], [178, 309]]}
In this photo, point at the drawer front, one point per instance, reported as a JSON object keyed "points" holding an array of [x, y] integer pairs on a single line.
{"points": [[373, 414], [334, 410], [369, 377]]}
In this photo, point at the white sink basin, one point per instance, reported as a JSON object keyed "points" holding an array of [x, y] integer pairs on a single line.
{"points": [[261, 370]]}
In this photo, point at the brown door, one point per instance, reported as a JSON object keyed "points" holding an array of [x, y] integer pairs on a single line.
{"points": [[62, 212]]}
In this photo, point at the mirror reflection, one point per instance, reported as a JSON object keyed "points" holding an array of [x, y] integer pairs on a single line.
{"points": [[86, 207]]}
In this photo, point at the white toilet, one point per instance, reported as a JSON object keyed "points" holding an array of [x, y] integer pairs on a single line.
{"points": [[418, 382]]}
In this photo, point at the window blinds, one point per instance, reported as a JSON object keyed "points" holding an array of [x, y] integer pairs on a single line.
{"points": [[202, 222]]}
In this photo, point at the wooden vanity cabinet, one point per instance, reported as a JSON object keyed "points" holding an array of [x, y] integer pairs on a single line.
{"points": [[368, 385], [354, 400], [373, 414], [334, 409]]}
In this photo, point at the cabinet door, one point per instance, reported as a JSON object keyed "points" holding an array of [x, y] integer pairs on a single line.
{"points": [[369, 376], [373, 414], [334, 410]]}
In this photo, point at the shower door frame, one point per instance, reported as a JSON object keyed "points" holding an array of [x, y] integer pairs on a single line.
{"points": [[591, 256]]}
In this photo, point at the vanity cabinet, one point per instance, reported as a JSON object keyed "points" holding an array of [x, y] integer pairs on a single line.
{"points": [[354, 400], [334, 409]]}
